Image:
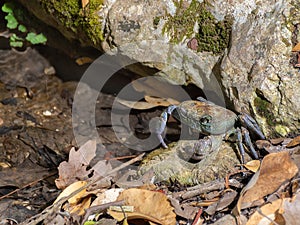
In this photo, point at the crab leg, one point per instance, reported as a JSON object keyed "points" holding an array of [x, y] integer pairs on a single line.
{"points": [[249, 143], [161, 124], [240, 144], [251, 124]]}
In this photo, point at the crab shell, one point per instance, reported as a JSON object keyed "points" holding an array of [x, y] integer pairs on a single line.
{"points": [[205, 117]]}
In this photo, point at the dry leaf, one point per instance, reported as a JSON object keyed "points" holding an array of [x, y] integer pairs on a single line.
{"points": [[291, 209], [75, 168], [100, 169], [275, 169], [294, 142], [79, 202], [107, 196], [269, 210], [136, 105], [84, 60], [157, 86], [149, 205], [276, 141], [253, 165], [84, 3], [151, 102], [70, 189], [296, 48], [80, 208], [161, 101], [185, 211]]}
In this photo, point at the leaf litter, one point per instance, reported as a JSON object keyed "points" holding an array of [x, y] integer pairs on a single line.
{"points": [[272, 194]]}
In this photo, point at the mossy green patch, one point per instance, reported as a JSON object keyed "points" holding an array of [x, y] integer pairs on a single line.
{"points": [[264, 108], [73, 17], [212, 35]]}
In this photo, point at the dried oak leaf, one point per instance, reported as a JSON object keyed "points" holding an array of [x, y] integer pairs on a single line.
{"points": [[151, 206], [294, 142], [75, 168], [275, 169]]}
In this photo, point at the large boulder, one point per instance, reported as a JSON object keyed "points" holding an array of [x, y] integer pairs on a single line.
{"points": [[242, 47]]}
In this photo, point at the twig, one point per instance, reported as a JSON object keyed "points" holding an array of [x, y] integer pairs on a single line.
{"points": [[202, 188], [99, 208], [266, 216], [196, 220], [27, 185], [54, 207]]}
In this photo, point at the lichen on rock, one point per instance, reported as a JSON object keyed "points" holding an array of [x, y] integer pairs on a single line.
{"points": [[212, 35]]}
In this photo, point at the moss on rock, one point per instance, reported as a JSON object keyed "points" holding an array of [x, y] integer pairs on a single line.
{"points": [[212, 35], [78, 20], [266, 110]]}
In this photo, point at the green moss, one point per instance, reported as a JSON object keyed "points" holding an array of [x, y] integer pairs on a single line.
{"points": [[212, 35], [73, 17], [156, 21], [264, 108]]}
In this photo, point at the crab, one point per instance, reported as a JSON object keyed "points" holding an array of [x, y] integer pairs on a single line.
{"points": [[215, 122]]}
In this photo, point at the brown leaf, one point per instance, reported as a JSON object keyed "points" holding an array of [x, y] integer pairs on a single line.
{"points": [[294, 142], [275, 169], [101, 169], [151, 102], [296, 48], [83, 60], [276, 141], [161, 101], [185, 211], [84, 3], [269, 210], [70, 189], [157, 86], [75, 168], [253, 165], [149, 205]]}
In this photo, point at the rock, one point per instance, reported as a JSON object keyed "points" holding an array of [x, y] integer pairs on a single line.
{"points": [[169, 164], [236, 51]]}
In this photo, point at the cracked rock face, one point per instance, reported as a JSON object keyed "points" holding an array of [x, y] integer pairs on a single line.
{"points": [[254, 72], [238, 51]]}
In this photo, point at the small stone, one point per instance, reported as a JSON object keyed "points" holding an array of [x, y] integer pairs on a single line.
{"points": [[47, 113]]}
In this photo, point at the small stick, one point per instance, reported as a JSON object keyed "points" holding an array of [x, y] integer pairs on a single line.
{"points": [[27, 185], [202, 188], [99, 208], [196, 220]]}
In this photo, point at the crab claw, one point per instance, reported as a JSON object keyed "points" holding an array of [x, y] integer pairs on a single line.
{"points": [[157, 126], [252, 125]]}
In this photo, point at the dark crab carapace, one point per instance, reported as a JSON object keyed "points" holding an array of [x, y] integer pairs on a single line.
{"points": [[212, 120]]}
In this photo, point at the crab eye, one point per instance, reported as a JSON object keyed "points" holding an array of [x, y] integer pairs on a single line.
{"points": [[205, 119]]}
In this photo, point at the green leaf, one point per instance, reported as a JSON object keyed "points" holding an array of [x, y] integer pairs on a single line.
{"points": [[12, 22], [7, 7], [14, 37], [89, 222], [15, 41], [22, 28], [34, 38]]}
